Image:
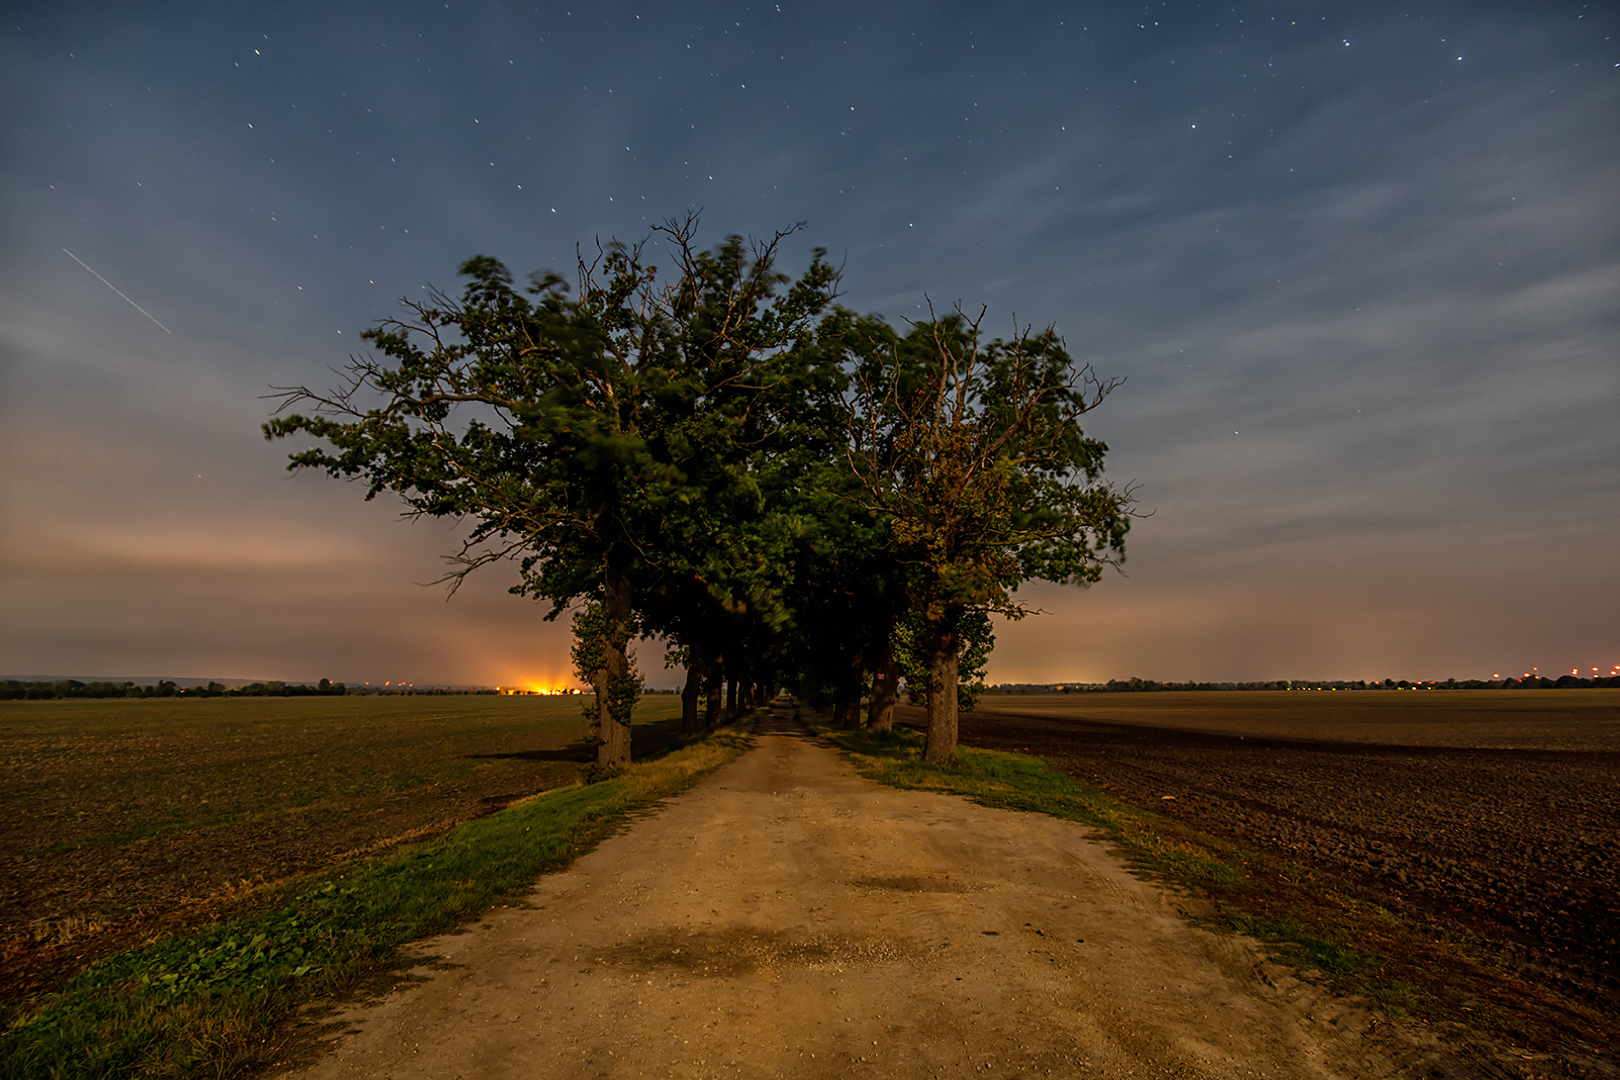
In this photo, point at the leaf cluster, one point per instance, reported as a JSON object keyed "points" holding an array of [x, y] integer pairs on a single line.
{"points": [[570, 430], [786, 490], [973, 451]]}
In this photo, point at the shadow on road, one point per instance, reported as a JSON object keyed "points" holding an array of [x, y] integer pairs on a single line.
{"points": [[645, 739], [582, 752], [783, 719]]}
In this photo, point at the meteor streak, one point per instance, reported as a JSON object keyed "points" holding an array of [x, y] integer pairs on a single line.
{"points": [[114, 288]]}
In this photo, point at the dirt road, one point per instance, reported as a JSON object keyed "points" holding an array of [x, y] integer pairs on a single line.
{"points": [[789, 919]]}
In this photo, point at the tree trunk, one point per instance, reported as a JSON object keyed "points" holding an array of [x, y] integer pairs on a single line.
{"points": [[616, 691], [847, 698], [847, 713], [942, 677], [712, 683], [880, 714], [691, 690], [731, 699]]}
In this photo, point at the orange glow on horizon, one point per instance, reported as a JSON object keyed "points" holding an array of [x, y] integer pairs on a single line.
{"points": [[528, 682]]}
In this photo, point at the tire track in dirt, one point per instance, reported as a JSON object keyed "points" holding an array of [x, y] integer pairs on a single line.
{"points": [[787, 918]]}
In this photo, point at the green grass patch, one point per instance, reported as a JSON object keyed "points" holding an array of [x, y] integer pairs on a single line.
{"points": [[1305, 925], [1306, 946], [203, 1002], [1007, 781]]}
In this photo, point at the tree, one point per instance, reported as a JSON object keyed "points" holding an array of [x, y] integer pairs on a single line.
{"points": [[731, 560], [575, 435], [973, 453]]}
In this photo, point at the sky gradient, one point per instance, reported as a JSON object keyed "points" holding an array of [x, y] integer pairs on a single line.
{"points": [[1359, 268]]}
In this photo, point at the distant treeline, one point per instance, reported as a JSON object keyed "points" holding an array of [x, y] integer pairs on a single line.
{"points": [[14, 689], [1143, 685]]}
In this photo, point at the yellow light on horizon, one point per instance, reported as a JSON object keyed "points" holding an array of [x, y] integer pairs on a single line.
{"points": [[537, 686]]}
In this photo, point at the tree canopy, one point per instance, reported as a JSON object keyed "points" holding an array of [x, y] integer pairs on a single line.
{"points": [[973, 454], [790, 494]]}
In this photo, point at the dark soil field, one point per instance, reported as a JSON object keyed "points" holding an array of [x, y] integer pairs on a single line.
{"points": [[120, 819], [1493, 817]]}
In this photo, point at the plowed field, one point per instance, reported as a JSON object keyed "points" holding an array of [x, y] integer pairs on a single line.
{"points": [[1493, 815], [120, 819]]}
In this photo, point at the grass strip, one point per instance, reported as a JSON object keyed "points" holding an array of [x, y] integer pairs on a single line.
{"points": [[1359, 948], [204, 1002]]}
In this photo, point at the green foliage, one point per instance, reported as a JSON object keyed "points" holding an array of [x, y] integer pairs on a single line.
{"points": [[721, 456], [611, 413], [616, 444], [596, 635], [972, 628], [1321, 948], [974, 453]]}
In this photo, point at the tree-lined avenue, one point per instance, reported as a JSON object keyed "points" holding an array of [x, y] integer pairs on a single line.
{"points": [[787, 918]]}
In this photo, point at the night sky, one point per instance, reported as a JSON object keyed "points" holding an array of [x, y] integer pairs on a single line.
{"points": [[1359, 265]]}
